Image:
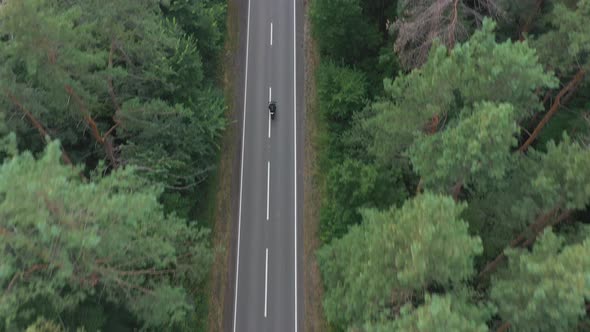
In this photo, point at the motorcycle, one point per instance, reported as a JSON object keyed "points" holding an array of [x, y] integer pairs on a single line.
{"points": [[272, 108]]}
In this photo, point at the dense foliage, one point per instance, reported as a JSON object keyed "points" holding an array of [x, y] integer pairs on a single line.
{"points": [[111, 114], [66, 241], [480, 136]]}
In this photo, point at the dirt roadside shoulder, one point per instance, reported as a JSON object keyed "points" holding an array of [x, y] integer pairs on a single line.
{"points": [[312, 188], [221, 280]]}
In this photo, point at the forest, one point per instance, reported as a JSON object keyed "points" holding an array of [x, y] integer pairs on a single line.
{"points": [[455, 148], [110, 117]]}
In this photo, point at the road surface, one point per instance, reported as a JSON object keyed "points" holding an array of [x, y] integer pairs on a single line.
{"points": [[267, 283]]}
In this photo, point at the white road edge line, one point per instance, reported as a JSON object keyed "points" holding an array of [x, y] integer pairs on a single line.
{"points": [[295, 141], [242, 169], [266, 284], [268, 191], [270, 33]]}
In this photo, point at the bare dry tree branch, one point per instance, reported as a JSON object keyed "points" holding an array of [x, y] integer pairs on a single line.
{"points": [[89, 121], [528, 237], [106, 143], [453, 25], [570, 87], [424, 21], [40, 128]]}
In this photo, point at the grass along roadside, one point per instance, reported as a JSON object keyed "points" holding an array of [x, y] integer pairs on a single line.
{"points": [[313, 188], [221, 202], [205, 213]]}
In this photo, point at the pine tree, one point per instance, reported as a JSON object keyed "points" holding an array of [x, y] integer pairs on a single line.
{"points": [[99, 63], [546, 289], [65, 240], [393, 256], [564, 48], [475, 153], [545, 188], [456, 123], [440, 314], [450, 85]]}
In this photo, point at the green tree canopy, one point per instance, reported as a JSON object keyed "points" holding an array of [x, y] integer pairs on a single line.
{"points": [[65, 240], [440, 314], [464, 122], [452, 82], [542, 186], [180, 139], [351, 186], [204, 19], [83, 72], [343, 33], [546, 289], [342, 92], [476, 152], [379, 265], [566, 43], [557, 179]]}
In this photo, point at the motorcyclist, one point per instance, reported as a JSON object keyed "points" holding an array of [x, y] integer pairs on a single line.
{"points": [[272, 107]]}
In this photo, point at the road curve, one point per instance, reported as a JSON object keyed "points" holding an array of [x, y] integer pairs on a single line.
{"points": [[267, 282]]}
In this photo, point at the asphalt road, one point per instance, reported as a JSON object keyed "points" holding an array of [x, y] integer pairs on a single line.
{"points": [[267, 286]]}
